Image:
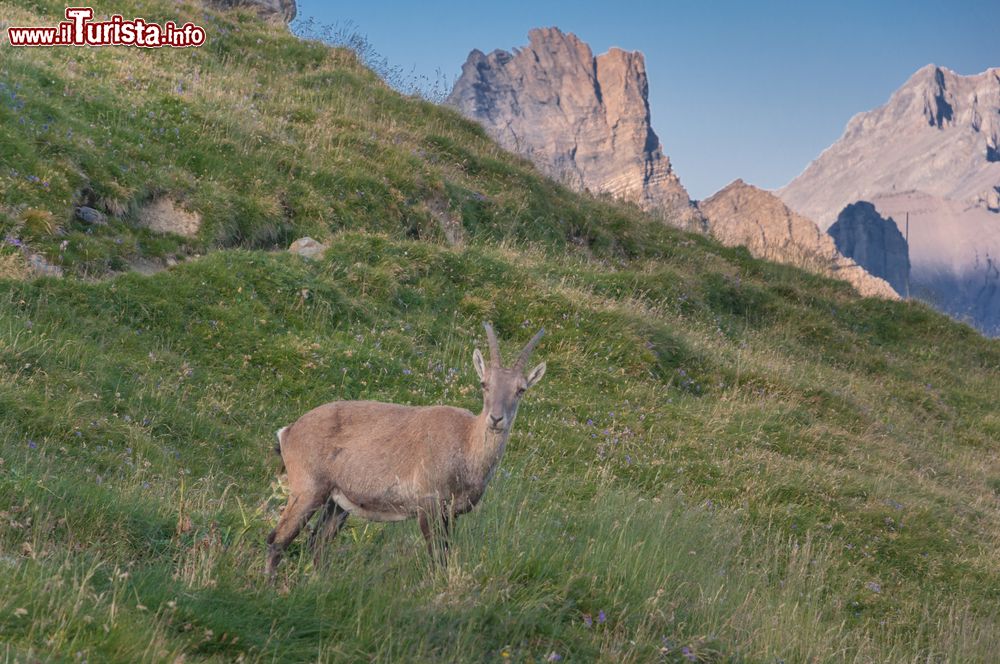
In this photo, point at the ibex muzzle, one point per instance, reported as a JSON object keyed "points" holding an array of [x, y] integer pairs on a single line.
{"points": [[386, 462]]}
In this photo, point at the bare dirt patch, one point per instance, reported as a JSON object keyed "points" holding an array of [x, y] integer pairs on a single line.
{"points": [[164, 215]]}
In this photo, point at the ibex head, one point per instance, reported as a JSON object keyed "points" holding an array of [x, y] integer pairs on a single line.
{"points": [[503, 387]]}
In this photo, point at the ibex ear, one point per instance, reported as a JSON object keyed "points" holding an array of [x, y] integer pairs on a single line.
{"points": [[536, 374], [477, 361]]}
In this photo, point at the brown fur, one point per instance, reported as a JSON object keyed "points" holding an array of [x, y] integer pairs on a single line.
{"points": [[387, 462]]}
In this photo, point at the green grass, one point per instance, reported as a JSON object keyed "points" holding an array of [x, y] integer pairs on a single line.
{"points": [[728, 460]]}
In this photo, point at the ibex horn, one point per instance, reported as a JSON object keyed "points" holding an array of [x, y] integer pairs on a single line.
{"points": [[491, 339], [522, 359]]}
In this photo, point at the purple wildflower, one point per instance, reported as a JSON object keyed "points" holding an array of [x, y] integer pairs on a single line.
{"points": [[32, 444], [689, 654], [602, 617], [588, 622], [874, 586], [554, 657], [406, 372]]}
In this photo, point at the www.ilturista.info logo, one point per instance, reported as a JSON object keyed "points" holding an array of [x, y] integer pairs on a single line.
{"points": [[79, 30]]}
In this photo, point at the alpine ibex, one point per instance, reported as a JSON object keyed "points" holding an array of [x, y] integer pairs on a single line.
{"points": [[387, 462]]}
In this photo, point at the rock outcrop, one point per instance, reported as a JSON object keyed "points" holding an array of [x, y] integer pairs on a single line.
{"points": [[284, 10], [930, 152], [741, 214], [874, 243], [582, 120]]}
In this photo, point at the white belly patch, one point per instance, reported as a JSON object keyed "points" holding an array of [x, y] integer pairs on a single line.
{"points": [[371, 514]]}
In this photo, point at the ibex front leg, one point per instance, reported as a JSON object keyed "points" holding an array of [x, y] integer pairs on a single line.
{"points": [[435, 524]]}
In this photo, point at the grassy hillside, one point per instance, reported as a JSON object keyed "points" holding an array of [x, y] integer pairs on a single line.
{"points": [[727, 460], [267, 137]]}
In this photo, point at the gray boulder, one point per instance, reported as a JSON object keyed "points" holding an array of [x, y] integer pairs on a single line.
{"points": [[308, 248], [90, 216]]}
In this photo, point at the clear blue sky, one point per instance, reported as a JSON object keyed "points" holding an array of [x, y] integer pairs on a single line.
{"points": [[737, 89]]}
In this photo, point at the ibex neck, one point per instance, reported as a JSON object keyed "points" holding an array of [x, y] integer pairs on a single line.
{"points": [[487, 446]]}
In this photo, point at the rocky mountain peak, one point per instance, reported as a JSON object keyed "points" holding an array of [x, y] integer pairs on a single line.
{"points": [[583, 120], [939, 134], [941, 98]]}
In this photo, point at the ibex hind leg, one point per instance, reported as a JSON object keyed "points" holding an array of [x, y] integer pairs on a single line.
{"points": [[330, 521], [300, 507]]}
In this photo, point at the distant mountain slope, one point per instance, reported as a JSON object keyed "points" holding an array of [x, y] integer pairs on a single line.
{"points": [[938, 134], [583, 120], [930, 151]]}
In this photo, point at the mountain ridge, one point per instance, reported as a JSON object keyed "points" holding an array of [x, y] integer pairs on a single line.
{"points": [[937, 112]]}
